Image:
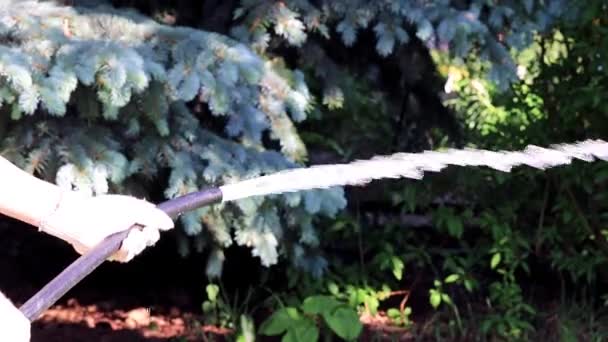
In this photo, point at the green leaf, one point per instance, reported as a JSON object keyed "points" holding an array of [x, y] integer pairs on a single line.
{"points": [[451, 278], [208, 306], [319, 304], [247, 331], [344, 321], [435, 298], [293, 313], [468, 284], [333, 288], [361, 295], [279, 321], [455, 227], [212, 292], [397, 267], [303, 330], [495, 260], [393, 313], [372, 303], [445, 298]]}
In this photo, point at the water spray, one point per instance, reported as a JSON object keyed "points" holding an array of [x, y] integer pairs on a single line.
{"points": [[399, 165]]}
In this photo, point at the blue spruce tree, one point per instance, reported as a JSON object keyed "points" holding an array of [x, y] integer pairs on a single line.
{"points": [[99, 99]]}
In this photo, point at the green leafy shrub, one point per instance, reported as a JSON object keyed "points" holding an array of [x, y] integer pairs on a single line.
{"points": [[300, 324]]}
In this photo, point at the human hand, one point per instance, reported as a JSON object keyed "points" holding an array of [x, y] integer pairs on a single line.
{"points": [[85, 221], [14, 326]]}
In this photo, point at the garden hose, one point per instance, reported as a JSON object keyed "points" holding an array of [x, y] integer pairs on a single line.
{"points": [[399, 165]]}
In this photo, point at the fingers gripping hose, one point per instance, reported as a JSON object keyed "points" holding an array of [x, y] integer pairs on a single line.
{"points": [[88, 262]]}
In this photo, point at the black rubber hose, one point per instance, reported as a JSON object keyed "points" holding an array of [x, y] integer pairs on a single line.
{"points": [[87, 263]]}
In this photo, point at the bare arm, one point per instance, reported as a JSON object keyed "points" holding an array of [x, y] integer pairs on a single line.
{"points": [[25, 197], [80, 220]]}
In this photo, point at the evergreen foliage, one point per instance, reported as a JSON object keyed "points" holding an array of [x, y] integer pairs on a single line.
{"points": [[487, 29], [101, 99], [95, 98]]}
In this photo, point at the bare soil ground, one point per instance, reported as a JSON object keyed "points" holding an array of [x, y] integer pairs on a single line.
{"points": [[149, 299], [156, 297], [103, 322]]}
